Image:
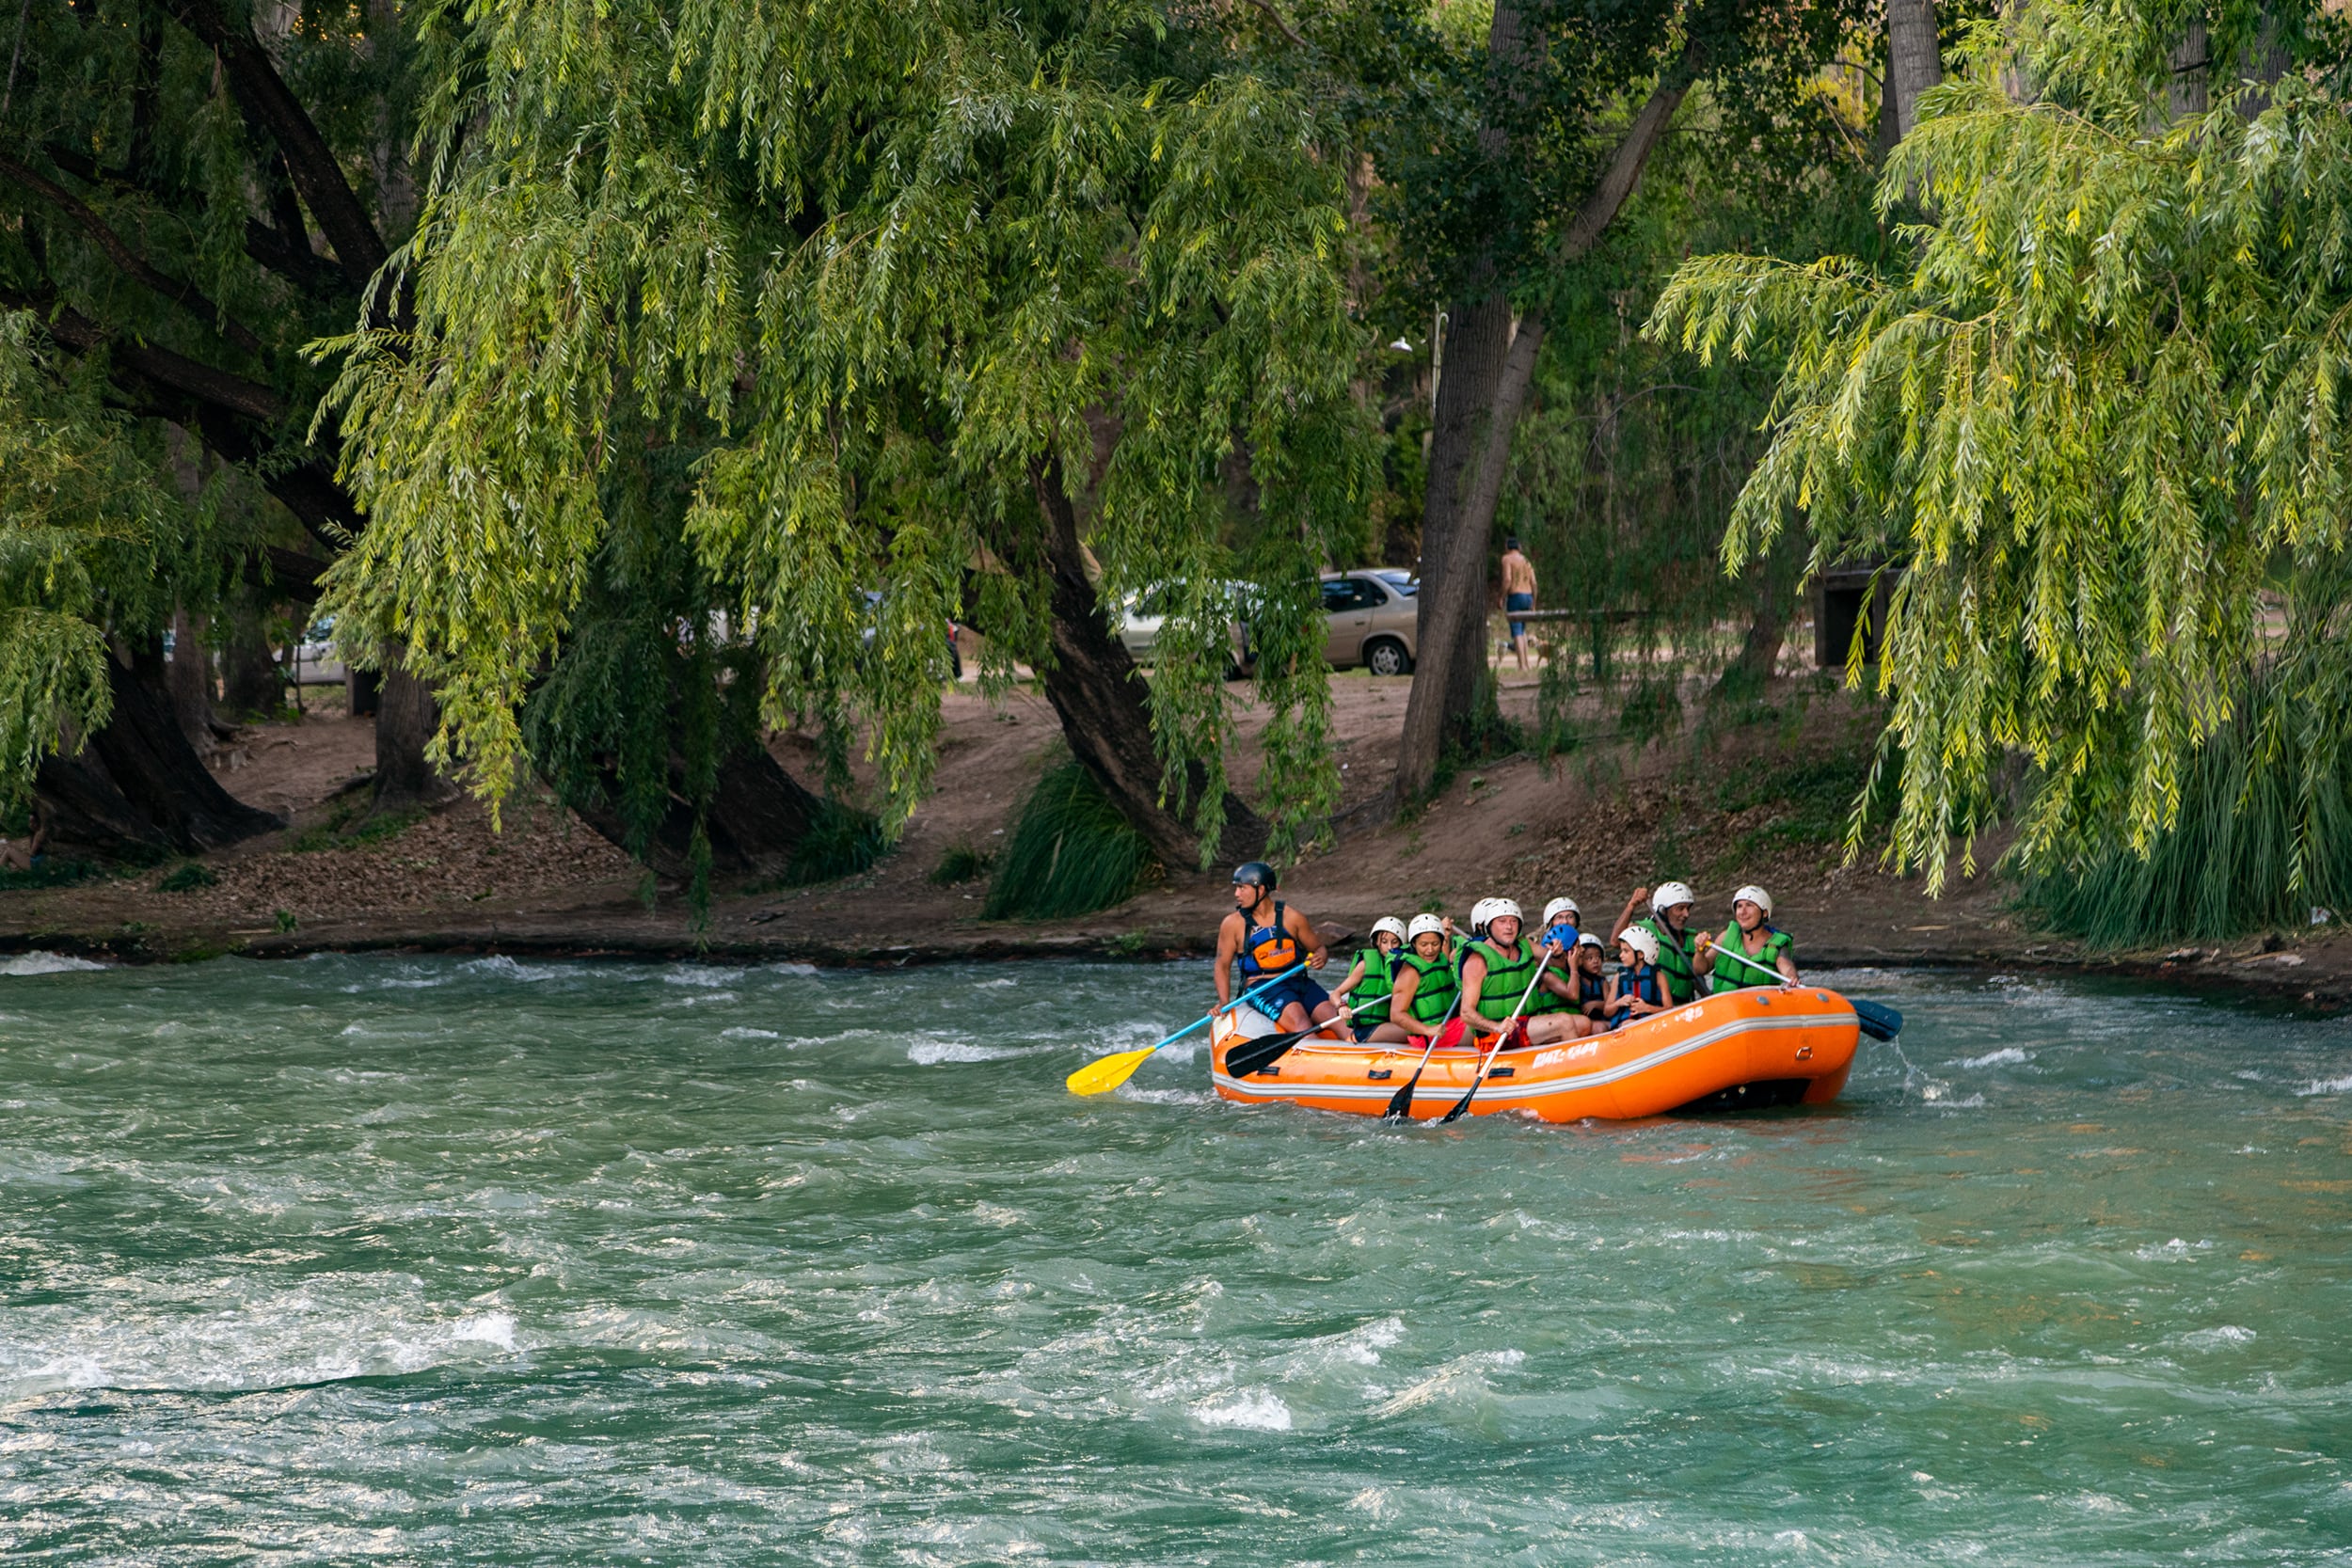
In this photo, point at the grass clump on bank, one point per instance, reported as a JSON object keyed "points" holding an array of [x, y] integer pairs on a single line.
{"points": [[187, 877], [841, 841], [961, 863], [1072, 853], [2228, 867]]}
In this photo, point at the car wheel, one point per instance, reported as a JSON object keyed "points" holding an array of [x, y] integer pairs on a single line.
{"points": [[1387, 656]]}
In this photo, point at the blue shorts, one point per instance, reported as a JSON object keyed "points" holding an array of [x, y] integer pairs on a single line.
{"points": [[1300, 988], [1518, 601]]}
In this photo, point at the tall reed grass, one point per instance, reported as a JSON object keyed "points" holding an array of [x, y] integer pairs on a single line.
{"points": [[2257, 808], [1072, 853]]}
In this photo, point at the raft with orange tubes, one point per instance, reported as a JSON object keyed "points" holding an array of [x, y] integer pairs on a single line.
{"points": [[1761, 1047]]}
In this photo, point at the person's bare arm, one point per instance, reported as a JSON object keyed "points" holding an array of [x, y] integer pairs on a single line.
{"points": [[1354, 977], [1228, 944], [1788, 968], [1473, 980], [1625, 916], [1702, 956], [1401, 1002], [1303, 929]]}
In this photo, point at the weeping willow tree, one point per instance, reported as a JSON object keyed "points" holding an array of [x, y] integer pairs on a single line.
{"points": [[2095, 421], [941, 298], [96, 551]]}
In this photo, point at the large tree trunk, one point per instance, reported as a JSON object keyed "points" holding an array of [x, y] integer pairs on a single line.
{"points": [[758, 814], [1097, 693], [1759, 650], [1915, 60], [249, 677], [406, 717], [189, 675], [137, 785], [1451, 612], [1477, 339]]}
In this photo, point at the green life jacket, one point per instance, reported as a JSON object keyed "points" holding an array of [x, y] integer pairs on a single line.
{"points": [[1506, 978], [1674, 959], [1434, 992], [1731, 974], [1379, 984]]}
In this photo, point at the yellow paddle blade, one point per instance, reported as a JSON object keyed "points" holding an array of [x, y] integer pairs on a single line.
{"points": [[1105, 1073]]}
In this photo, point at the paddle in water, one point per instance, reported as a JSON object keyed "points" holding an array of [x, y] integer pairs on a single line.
{"points": [[1449, 1032], [1254, 1055], [1105, 1073], [1879, 1020], [1510, 1025]]}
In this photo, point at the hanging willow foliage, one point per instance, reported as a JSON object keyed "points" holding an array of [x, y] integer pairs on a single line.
{"points": [[2094, 423], [87, 541], [893, 263]]}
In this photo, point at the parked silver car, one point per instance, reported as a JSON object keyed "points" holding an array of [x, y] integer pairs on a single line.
{"points": [[1372, 615]]}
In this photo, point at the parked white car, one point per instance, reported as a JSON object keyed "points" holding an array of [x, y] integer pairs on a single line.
{"points": [[313, 661]]}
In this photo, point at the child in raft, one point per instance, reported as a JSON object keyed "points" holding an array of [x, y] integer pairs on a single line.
{"points": [[1364, 994], [1638, 990], [1426, 985], [1591, 981], [1750, 936]]}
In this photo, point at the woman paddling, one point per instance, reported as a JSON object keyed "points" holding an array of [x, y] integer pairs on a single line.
{"points": [[1751, 935], [1426, 984]]}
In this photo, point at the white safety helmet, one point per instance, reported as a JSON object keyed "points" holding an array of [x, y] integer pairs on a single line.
{"points": [[1425, 926], [1592, 940], [1641, 942], [1669, 895], [1758, 896], [1489, 909], [1559, 906], [1390, 924]]}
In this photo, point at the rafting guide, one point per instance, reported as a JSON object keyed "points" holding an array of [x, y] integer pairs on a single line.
{"points": [[1273, 941]]}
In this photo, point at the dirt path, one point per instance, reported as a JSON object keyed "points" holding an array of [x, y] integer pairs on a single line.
{"points": [[1765, 805]]}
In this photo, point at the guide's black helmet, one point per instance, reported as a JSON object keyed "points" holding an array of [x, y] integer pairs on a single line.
{"points": [[1254, 874]]}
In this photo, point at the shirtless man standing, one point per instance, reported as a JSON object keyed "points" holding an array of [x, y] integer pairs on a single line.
{"points": [[1518, 593]]}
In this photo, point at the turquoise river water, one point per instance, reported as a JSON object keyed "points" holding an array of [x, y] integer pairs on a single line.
{"points": [[455, 1262]]}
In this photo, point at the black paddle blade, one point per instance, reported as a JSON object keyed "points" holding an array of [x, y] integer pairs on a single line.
{"points": [[1461, 1106], [1879, 1020], [1401, 1102], [1252, 1055]]}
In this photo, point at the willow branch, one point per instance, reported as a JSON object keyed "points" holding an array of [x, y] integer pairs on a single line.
{"points": [[179, 291]]}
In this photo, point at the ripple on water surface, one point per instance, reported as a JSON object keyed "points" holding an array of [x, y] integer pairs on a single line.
{"points": [[535, 1262]]}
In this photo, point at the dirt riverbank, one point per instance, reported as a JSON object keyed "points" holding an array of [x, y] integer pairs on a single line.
{"points": [[1764, 803]]}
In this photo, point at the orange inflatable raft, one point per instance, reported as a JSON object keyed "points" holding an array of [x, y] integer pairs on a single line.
{"points": [[1761, 1047]]}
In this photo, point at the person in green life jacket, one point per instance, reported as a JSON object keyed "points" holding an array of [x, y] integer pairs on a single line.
{"points": [[1368, 985], [1669, 924], [1588, 975], [1497, 969], [1426, 985], [1637, 989], [1751, 935]]}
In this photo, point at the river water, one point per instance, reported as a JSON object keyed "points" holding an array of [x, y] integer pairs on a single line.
{"points": [[495, 1263]]}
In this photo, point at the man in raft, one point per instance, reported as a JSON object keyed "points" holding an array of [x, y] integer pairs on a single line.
{"points": [[1496, 968], [1751, 935], [1269, 938], [1669, 924]]}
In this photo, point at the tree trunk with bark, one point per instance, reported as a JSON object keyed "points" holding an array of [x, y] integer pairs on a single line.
{"points": [[1752, 668], [1914, 59], [1459, 510], [406, 717], [757, 816], [249, 677], [137, 785], [189, 676], [1097, 693]]}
